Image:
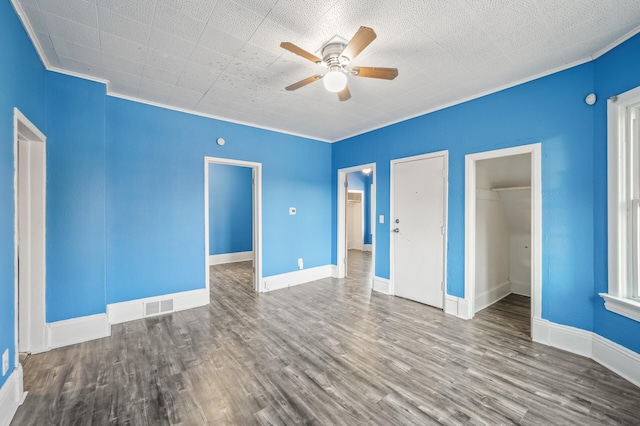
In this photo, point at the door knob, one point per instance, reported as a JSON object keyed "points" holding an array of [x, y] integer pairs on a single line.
{"points": [[396, 230]]}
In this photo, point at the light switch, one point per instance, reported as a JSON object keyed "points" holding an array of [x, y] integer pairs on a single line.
{"points": [[5, 362], [381, 218]]}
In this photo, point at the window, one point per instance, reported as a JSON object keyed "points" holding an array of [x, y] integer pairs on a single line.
{"points": [[623, 295], [633, 137]]}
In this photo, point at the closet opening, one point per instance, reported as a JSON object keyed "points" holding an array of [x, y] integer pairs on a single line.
{"points": [[503, 236]]}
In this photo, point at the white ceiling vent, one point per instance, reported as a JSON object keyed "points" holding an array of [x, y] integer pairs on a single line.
{"points": [[158, 307]]}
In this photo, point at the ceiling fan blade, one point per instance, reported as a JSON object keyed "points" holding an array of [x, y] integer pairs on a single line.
{"points": [[344, 94], [360, 40], [304, 82], [373, 72], [300, 51]]}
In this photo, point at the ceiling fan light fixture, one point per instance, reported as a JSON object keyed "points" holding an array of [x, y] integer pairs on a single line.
{"points": [[337, 55], [335, 80]]}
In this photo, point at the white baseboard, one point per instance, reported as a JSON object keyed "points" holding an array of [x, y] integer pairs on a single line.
{"points": [[12, 396], [381, 285], [457, 306], [367, 247], [78, 330], [290, 279], [451, 305], [242, 256], [334, 271], [563, 337], [540, 331], [521, 289], [490, 297], [616, 358], [611, 355], [134, 309], [464, 309]]}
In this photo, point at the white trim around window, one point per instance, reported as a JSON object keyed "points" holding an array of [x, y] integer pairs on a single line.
{"points": [[623, 193]]}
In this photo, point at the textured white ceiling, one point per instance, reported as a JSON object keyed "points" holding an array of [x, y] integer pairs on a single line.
{"points": [[223, 58]]}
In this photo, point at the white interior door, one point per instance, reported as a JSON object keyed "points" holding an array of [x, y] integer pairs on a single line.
{"points": [[418, 230]]}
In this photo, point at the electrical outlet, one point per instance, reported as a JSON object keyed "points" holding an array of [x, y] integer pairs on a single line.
{"points": [[300, 264], [5, 362]]}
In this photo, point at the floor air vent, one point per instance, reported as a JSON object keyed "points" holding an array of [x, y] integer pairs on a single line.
{"points": [[158, 307]]}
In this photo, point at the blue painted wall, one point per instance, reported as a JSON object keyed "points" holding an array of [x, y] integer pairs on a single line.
{"points": [[230, 209], [155, 197], [550, 110], [616, 72], [22, 86], [126, 186], [75, 197], [359, 181]]}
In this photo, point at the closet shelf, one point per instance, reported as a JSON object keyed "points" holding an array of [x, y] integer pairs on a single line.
{"points": [[511, 188]]}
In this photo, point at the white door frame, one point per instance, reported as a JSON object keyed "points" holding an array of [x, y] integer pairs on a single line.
{"points": [[444, 154], [30, 302], [470, 225], [342, 210], [256, 216]]}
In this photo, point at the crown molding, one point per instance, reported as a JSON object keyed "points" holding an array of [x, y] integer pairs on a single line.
{"points": [[215, 117], [616, 43], [30, 32], [476, 96], [47, 65]]}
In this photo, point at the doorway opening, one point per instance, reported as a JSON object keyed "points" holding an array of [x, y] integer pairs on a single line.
{"points": [[29, 238], [356, 219], [233, 219], [503, 231], [356, 224]]}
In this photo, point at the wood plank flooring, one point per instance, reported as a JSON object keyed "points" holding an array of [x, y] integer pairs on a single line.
{"points": [[331, 352]]}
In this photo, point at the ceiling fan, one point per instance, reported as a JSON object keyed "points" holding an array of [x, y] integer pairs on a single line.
{"points": [[337, 55]]}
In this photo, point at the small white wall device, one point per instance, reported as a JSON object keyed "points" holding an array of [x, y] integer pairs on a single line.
{"points": [[590, 99]]}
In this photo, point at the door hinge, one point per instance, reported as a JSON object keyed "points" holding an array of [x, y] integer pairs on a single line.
{"points": [[346, 184], [345, 261], [442, 231], [444, 173], [442, 285]]}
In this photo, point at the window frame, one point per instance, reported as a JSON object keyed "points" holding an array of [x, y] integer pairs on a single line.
{"points": [[623, 183]]}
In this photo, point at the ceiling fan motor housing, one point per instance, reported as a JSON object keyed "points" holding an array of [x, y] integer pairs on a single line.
{"points": [[331, 55]]}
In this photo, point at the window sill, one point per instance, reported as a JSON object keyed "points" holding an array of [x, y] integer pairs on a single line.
{"points": [[622, 306]]}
